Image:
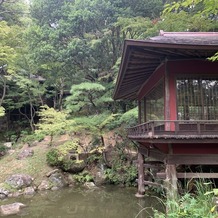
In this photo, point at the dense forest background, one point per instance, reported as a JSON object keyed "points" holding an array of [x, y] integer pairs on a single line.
{"points": [[66, 54]]}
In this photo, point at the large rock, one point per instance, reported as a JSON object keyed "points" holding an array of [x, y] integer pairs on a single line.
{"points": [[28, 152], [10, 209], [90, 185], [110, 155], [58, 180], [74, 167], [8, 145], [2, 196], [3, 191], [29, 191], [15, 194], [99, 178], [19, 181], [52, 172], [32, 144], [45, 185]]}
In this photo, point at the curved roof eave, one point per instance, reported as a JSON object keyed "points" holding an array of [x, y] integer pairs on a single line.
{"points": [[140, 58]]}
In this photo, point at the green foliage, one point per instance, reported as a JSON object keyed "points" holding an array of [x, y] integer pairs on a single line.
{"points": [[65, 148], [214, 192], [95, 124], [195, 16], [8, 44], [146, 8], [94, 158], [29, 94], [53, 122], [83, 177], [85, 96], [52, 157], [3, 148], [2, 111], [8, 187], [28, 138], [202, 7], [191, 206], [59, 156], [177, 22], [72, 42], [121, 173], [108, 122], [122, 170], [135, 27], [89, 122], [40, 11], [130, 117], [13, 12], [11, 135], [214, 58]]}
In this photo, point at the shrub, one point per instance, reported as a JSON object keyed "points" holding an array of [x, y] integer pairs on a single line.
{"points": [[122, 174], [189, 205], [130, 117], [60, 156], [3, 150], [53, 122], [11, 135], [83, 177], [33, 137], [52, 157]]}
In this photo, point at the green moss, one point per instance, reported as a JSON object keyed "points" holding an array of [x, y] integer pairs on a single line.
{"points": [[7, 187]]}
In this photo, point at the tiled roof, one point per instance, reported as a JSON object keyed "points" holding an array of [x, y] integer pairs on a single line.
{"points": [[194, 38], [141, 58]]}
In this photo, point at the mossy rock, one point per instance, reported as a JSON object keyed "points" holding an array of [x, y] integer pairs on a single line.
{"points": [[74, 167]]}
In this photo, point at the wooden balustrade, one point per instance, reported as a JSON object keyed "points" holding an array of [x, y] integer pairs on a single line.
{"points": [[174, 128]]}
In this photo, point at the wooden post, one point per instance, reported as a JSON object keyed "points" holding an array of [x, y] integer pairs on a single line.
{"points": [[167, 98], [141, 176], [139, 112], [145, 118], [170, 183], [171, 186]]}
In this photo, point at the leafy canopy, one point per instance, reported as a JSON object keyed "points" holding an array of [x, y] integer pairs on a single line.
{"points": [[87, 96], [53, 122]]}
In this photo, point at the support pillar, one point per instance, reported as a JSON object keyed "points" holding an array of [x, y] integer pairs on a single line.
{"points": [[171, 186], [139, 112], [141, 176]]}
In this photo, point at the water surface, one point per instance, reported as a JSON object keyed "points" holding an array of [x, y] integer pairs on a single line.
{"points": [[104, 202]]}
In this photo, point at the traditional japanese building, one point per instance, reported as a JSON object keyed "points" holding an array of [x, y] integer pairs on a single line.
{"points": [[176, 87]]}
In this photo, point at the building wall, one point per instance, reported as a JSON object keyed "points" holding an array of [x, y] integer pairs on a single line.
{"points": [[169, 71], [185, 148]]}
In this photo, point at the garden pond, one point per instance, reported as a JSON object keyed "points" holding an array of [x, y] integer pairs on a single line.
{"points": [[103, 202]]}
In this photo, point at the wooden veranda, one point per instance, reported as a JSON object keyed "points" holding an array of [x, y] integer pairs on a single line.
{"points": [[176, 88]]}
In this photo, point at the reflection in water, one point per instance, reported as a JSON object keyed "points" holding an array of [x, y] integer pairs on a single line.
{"points": [[106, 202]]}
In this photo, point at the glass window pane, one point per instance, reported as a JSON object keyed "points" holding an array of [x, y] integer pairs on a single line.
{"points": [[197, 98], [155, 103]]}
